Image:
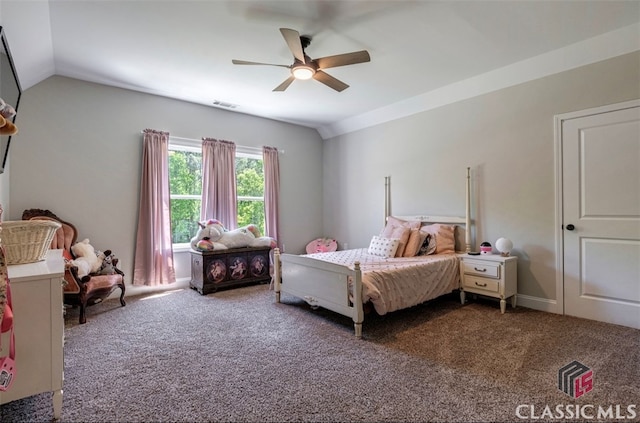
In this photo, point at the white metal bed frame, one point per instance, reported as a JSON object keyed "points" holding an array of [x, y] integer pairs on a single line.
{"points": [[326, 285]]}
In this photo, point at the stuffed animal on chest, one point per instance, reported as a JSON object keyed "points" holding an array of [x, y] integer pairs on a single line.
{"points": [[212, 235]]}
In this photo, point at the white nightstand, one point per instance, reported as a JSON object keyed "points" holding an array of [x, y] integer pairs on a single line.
{"points": [[491, 275]]}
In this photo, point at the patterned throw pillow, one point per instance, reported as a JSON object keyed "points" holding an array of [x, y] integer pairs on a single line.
{"points": [[383, 247], [444, 236], [428, 247]]}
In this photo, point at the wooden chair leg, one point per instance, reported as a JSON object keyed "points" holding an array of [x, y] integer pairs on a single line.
{"points": [[122, 295], [83, 316]]}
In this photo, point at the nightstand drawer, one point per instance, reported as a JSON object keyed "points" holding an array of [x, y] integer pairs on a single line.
{"points": [[485, 284], [481, 268]]}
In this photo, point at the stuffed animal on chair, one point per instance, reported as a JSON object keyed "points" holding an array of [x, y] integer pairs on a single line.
{"points": [[86, 259], [108, 263]]}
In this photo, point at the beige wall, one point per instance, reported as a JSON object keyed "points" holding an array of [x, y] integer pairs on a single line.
{"points": [[506, 137], [79, 154]]}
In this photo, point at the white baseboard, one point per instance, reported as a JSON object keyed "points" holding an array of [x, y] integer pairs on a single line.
{"points": [[537, 303], [131, 290]]}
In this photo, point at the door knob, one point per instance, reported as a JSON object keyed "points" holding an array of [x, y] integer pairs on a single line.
{"points": [[570, 227]]}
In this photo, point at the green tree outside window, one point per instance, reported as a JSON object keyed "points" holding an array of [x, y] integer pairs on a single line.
{"points": [[185, 182]]}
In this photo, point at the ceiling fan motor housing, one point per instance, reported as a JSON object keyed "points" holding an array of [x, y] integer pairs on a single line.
{"points": [[305, 40]]}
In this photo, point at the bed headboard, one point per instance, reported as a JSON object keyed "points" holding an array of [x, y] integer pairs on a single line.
{"points": [[463, 224]]}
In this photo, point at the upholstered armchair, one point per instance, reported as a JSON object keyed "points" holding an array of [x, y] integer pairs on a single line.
{"points": [[90, 289]]}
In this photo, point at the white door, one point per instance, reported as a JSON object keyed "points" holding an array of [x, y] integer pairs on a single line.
{"points": [[601, 216]]}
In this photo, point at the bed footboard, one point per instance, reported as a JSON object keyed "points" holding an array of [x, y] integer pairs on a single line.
{"points": [[321, 284]]}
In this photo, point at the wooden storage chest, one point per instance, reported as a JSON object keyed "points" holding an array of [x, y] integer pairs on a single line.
{"points": [[214, 270]]}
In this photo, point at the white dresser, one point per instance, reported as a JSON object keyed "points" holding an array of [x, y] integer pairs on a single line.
{"points": [[36, 291]]}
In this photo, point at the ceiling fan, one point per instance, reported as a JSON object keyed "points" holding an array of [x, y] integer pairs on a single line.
{"points": [[304, 67]]}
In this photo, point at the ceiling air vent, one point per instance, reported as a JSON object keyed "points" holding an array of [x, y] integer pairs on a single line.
{"points": [[226, 105]]}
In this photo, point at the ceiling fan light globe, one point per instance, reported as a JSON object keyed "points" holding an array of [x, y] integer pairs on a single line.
{"points": [[303, 72]]}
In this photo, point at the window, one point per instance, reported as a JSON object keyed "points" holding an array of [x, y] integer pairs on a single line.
{"points": [[250, 189], [185, 184]]}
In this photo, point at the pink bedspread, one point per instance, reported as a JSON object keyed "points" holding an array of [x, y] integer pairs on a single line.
{"points": [[401, 282]]}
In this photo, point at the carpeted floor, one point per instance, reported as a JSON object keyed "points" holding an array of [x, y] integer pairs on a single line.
{"points": [[238, 356]]}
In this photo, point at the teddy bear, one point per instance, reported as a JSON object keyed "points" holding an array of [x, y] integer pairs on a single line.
{"points": [[212, 235], [86, 259], [7, 112]]}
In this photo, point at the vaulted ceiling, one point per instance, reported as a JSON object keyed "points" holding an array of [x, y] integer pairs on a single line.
{"points": [[423, 53]]}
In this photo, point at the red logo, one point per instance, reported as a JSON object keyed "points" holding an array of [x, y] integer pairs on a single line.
{"points": [[575, 379]]}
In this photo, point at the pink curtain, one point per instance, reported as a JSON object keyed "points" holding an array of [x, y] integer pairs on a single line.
{"points": [[153, 263], [219, 199], [271, 192], [3, 275]]}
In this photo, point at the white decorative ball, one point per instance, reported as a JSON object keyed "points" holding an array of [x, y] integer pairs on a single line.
{"points": [[504, 245]]}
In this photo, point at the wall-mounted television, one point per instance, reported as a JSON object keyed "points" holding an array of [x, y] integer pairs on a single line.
{"points": [[10, 92]]}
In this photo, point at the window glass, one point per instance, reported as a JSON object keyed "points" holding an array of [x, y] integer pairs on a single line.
{"points": [[185, 182], [185, 185], [250, 190]]}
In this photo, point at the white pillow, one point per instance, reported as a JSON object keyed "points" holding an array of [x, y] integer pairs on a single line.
{"points": [[383, 247]]}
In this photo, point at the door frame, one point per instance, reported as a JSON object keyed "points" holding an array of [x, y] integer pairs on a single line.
{"points": [[558, 120]]}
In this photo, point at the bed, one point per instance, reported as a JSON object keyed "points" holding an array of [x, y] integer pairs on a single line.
{"points": [[344, 281]]}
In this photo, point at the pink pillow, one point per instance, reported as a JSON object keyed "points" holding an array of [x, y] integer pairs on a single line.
{"points": [[444, 235], [400, 233], [390, 227], [321, 245], [411, 224], [416, 238]]}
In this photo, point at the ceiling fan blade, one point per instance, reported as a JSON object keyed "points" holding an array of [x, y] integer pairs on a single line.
{"points": [[244, 62], [292, 37], [285, 84], [330, 81], [343, 59]]}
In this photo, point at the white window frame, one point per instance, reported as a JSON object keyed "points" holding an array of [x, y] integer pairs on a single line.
{"points": [[187, 144]]}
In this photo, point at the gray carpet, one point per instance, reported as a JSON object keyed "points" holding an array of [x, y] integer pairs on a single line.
{"points": [[238, 356]]}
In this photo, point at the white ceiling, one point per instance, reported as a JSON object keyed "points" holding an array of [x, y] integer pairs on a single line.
{"points": [[423, 53]]}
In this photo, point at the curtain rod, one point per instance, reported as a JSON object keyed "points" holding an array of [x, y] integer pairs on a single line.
{"points": [[200, 140], [178, 138]]}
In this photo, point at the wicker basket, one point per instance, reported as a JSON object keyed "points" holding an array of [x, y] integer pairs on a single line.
{"points": [[27, 241]]}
